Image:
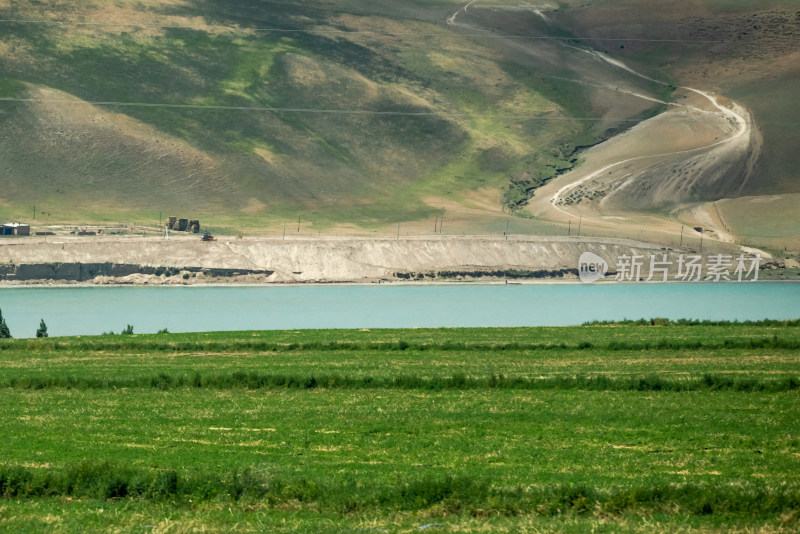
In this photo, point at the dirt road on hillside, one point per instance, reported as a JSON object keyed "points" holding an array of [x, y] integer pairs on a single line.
{"points": [[698, 147]]}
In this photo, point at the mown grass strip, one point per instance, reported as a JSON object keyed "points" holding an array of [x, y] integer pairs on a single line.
{"points": [[256, 380], [453, 494], [134, 345], [662, 321]]}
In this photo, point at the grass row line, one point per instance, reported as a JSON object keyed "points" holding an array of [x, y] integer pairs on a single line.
{"points": [[663, 321], [451, 494], [256, 380], [154, 345]]}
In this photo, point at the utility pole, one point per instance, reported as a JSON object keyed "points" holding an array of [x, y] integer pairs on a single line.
{"points": [[441, 221], [681, 244], [507, 222], [435, 224], [579, 225], [569, 227], [34, 212], [701, 241], [398, 232], [284, 231], [298, 224]]}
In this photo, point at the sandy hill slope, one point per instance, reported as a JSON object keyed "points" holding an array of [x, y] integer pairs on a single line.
{"points": [[722, 156], [747, 51]]}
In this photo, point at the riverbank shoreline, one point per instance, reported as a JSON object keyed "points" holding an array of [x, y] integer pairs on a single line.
{"points": [[187, 261], [782, 276]]}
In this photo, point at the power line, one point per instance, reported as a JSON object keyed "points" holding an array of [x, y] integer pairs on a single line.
{"points": [[533, 117], [485, 34]]}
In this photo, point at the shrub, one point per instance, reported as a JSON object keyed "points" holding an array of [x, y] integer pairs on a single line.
{"points": [[4, 331], [42, 331]]}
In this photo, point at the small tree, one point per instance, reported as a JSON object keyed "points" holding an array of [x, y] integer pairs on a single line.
{"points": [[5, 333], [42, 331], [128, 330]]}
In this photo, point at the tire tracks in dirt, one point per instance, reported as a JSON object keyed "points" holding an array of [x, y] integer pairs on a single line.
{"points": [[742, 126]]}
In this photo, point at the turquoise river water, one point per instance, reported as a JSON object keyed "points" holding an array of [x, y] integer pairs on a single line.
{"points": [[93, 310]]}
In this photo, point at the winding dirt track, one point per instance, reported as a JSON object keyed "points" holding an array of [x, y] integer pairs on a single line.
{"points": [[548, 203], [743, 129]]}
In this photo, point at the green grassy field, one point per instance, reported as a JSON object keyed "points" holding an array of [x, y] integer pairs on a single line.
{"points": [[617, 428]]}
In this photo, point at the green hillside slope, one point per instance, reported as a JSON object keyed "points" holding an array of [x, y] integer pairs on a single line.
{"points": [[254, 112], [247, 114]]}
